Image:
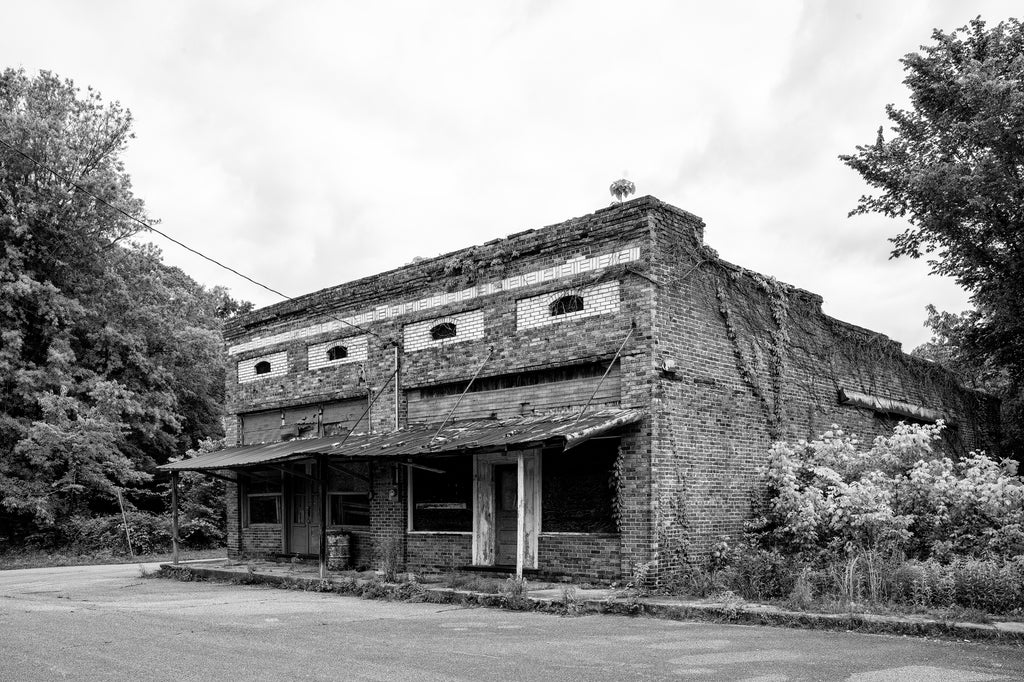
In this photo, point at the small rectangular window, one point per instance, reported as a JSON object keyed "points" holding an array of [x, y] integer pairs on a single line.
{"points": [[350, 509], [262, 497], [264, 509]]}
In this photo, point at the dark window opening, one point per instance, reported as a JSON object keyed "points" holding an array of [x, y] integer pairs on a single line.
{"points": [[337, 353], [264, 509], [567, 304], [443, 501], [445, 330], [263, 367], [349, 494], [577, 488], [263, 498], [350, 509]]}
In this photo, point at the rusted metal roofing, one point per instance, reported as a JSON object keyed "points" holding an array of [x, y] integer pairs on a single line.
{"points": [[251, 455], [459, 437]]}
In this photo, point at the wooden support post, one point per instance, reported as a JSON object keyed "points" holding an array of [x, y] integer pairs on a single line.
{"points": [[322, 473], [174, 517], [520, 514]]}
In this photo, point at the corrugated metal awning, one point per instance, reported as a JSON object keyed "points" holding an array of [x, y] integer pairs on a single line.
{"points": [[483, 435], [251, 455]]}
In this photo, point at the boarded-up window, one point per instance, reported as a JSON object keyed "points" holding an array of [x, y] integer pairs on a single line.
{"points": [[576, 489], [442, 500], [303, 421]]}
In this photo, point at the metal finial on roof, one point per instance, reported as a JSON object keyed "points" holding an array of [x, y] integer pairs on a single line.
{"points": [[621, 189]]}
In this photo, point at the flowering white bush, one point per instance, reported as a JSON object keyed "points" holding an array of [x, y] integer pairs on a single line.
{"points": [[833, 495]]}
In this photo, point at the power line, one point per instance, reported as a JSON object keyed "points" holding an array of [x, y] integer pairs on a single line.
{"points": [[169, 238]]}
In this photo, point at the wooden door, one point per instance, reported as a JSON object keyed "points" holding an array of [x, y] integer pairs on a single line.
{"points": [[506, 515], [304, 514]]}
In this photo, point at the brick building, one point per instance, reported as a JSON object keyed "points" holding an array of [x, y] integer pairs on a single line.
{"points": [[580, 399]]}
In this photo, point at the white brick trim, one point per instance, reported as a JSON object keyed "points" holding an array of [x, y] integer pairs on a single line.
{"points": [[535, 311], [278, 367], [469, 326], [573, 266], [316, 355]]}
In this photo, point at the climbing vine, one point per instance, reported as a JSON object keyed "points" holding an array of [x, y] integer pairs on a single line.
{"points": [[617, 482], [772, 399]]}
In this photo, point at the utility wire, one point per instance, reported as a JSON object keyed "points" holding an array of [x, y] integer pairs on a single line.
{"points": [[169, 238]]}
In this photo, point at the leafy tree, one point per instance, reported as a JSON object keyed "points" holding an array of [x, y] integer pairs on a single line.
{"points": [[110, 361], [954, 170]]}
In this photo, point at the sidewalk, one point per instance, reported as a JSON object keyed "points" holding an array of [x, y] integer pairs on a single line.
{"points": [[565, 598]]}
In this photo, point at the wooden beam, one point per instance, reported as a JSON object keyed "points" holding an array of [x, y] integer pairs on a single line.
{"points": [[520, 514], [321, 465], [174, 517]]}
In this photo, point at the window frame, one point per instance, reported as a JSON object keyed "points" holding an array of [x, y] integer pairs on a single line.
{"points": [[342, 355], [262, 367], [342, 495]]}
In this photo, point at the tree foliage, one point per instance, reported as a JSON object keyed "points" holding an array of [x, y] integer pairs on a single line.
{"points": [[952, 166], [110, 361]]}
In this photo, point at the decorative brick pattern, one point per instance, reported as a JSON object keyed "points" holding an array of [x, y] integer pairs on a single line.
{"points": [[535, 311], [278, 367], [469, 326], [572, 267], [355, 345]]}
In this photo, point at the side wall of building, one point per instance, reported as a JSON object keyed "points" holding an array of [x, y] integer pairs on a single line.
{"points": [[757, 361]]}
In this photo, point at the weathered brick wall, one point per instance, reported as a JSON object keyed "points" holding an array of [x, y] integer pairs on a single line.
{"points": [[261, 540], [758, 361], [387, 514], [593, 255], [586, 555], [234, 520], [439, 552]]}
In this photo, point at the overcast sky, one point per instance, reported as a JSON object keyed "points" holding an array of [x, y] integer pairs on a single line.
{"points": [[312, 143]]}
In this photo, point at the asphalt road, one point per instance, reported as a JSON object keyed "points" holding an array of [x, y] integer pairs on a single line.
{"points": [[106, 623]]}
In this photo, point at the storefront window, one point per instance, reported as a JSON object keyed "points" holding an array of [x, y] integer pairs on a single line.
{"points": [[442, 497], [576, 490], [263, 497], [349, 494]]}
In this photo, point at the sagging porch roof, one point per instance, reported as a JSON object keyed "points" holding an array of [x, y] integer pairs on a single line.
{"points": [[469, 436]]}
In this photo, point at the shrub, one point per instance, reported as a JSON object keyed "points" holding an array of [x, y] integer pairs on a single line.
{"points": [[149, 533], [832, 496]]}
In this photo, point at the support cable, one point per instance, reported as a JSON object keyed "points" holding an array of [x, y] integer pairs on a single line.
{"points": [[611, 364], [490, 352]]}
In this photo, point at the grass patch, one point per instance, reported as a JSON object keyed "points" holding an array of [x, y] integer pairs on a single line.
{"points": [[23, 558]]}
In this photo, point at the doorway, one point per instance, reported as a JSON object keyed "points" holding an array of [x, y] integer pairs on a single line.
{"points": [[304, 512], [506, 513]]}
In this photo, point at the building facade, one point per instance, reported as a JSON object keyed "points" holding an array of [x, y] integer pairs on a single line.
{"points": [[581, 399]]}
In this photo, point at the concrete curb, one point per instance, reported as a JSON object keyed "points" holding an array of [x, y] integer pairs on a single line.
{"points": [[746, 614]]}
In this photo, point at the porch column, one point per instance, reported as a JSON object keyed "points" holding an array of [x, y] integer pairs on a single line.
{"points": [[520, 514], [321, 474], [174, 517]]}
